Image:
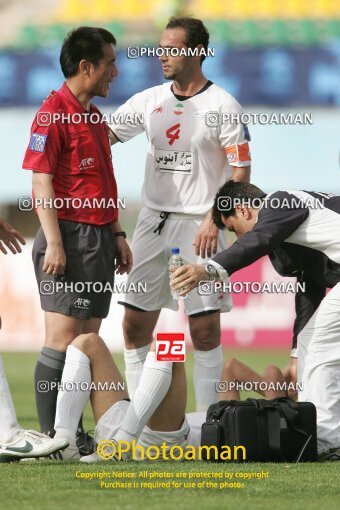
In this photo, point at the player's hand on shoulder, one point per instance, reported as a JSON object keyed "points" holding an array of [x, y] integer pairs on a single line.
{"points": [[55, 259], [10, 238], [206, 239], [123, 256]]}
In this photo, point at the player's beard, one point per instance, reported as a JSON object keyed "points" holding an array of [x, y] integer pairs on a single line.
{"points": [[177, 73], [169, 75]]}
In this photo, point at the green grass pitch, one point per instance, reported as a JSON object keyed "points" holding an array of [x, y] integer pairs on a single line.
{"points": [[52, 485]]}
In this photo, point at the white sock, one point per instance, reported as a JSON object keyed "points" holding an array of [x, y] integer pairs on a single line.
{"points": [[71, 403], [9, 427], [134, 360], [207, 370], [154, 385]]}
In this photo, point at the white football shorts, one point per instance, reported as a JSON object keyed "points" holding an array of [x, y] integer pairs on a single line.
{"points": [[151, 253]]}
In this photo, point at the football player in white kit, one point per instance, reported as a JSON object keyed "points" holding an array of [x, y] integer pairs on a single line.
{"points": [[187, 161], [156, 415], [300, 232]]}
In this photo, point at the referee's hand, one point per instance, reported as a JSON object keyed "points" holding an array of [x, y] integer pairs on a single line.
{"points": [[9, 238], [123, 256], [55, 259]]}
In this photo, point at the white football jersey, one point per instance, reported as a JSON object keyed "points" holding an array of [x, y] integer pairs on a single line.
{"points": [[187, 160]]}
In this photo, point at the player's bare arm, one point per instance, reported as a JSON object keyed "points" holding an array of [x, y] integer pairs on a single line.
{"points": [[206, 238], [123, 252], [9, 237], [55, 258], [241, 174]]}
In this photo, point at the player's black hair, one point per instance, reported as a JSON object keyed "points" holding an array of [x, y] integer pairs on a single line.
{"points": [[224, 202], [83, 43], [196, 32]]}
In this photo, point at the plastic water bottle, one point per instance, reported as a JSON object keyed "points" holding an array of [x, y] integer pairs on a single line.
{"points": [[174, 262]]}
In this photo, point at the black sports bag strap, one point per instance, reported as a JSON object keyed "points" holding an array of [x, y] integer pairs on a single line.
{"points": [[274, 435], [289, 409], [268, 431]]}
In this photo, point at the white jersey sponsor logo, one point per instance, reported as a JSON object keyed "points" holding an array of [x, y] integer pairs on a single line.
{"points": [[186, 161]]}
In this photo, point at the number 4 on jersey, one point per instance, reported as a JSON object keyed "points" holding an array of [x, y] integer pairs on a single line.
{"points": [[173, 133]]}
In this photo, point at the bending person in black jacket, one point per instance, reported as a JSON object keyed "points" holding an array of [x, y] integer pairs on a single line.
{"points": [[300, 232]]}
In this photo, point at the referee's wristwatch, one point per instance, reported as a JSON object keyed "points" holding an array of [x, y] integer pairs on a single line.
{"points": [[211, 272]]}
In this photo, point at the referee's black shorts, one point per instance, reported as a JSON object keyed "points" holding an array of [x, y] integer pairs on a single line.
{"points": [[90, 267]]}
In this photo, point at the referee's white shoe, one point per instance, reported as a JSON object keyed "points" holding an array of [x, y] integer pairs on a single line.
{"points": [[31, 444]]}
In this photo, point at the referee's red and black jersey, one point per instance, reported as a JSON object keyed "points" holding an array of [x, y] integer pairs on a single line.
{"points": [[77, 152]]}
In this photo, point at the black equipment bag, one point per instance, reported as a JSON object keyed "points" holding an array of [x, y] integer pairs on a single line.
{"points": [[278, 430]]}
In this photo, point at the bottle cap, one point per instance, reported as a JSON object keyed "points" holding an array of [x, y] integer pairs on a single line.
{"points": [[175, 251]]}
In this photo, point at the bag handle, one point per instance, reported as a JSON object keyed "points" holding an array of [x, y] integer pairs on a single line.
{"points": [[272, 424], [215, 411]]}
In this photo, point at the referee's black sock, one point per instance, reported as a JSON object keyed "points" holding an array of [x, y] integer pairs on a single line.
{"points": [[48, 372]]}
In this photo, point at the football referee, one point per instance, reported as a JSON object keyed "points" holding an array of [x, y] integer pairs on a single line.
{"points": [[300, 231], [77, 245], [12, 436]]}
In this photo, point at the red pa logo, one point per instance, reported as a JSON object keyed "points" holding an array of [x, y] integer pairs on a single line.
{"points": [[170, 347]]}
